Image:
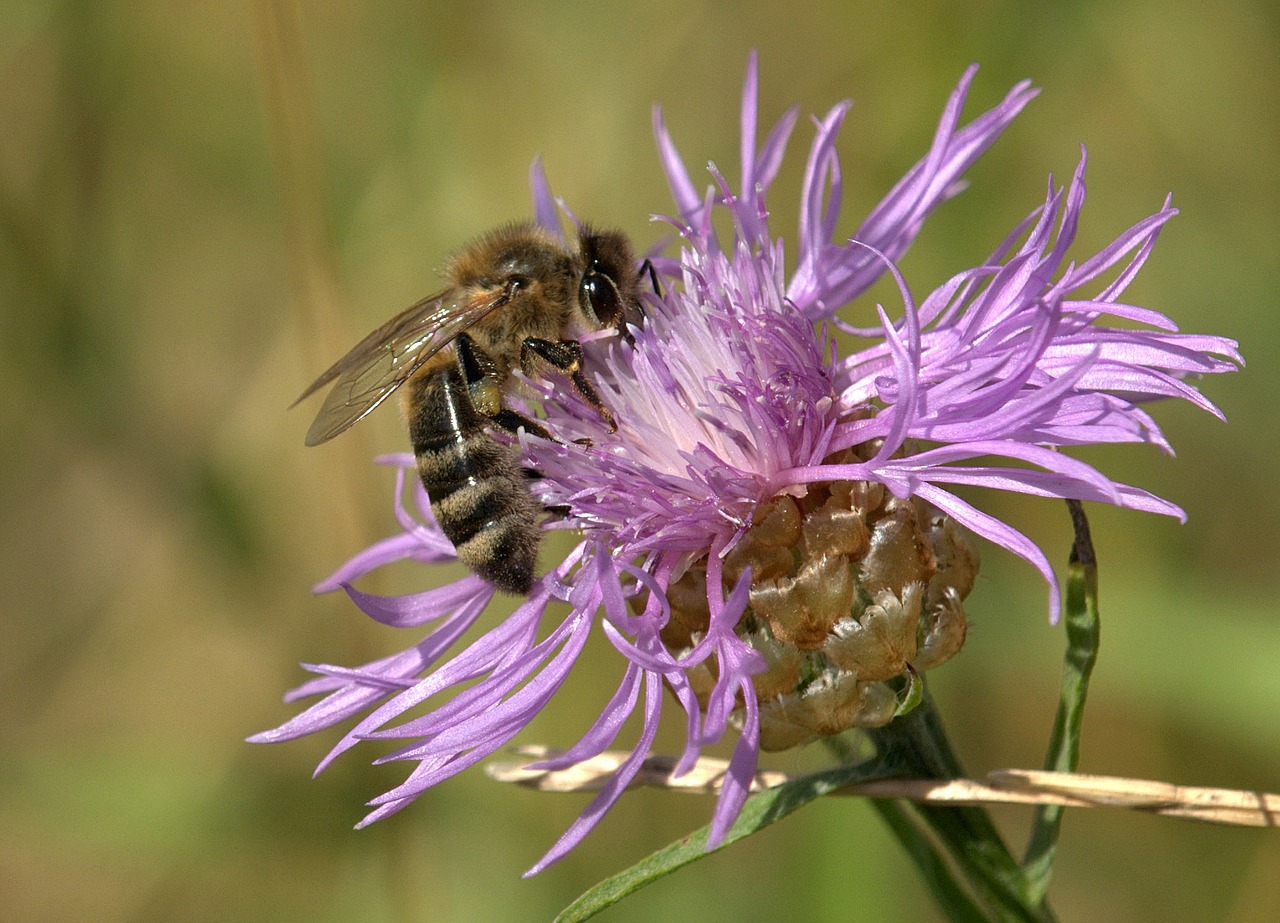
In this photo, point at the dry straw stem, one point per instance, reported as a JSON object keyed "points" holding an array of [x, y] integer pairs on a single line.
{"points": [[1002, 786]]}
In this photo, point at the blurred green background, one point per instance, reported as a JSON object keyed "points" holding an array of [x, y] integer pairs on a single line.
{"points": [[202, 205]]}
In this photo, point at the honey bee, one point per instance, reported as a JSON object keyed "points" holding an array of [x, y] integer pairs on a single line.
{"points": [[514, 296]]}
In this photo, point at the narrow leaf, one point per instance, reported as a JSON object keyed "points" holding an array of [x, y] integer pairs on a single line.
{"points": [[760, 811]]}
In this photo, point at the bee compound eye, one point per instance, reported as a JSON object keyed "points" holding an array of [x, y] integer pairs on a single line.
{"points": [[601, 294]]}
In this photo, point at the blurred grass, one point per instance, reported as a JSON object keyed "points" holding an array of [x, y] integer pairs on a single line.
{"points": [[188, 238]]}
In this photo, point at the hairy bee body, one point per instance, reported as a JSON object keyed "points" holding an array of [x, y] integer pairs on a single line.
{"points": [[478, 492], [514, 297]]}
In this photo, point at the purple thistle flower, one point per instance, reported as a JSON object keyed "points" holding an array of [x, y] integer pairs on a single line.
{"points": [[734, 413]]}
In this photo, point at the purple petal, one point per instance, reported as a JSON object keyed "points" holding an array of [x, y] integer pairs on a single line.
{"points": [[616, 785], [395, 548], [688, 201], [545, 212], [736, 784], [998, 532], [418, 608]]}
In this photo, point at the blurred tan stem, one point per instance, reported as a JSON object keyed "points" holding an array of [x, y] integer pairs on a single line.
{"points": [[316, 305], [1003, 786]]}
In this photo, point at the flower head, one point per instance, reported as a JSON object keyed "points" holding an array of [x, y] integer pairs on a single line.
{"points": [[770, 533]]}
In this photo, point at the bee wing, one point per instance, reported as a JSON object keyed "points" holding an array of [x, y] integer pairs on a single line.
{"points": [[384, 360]]}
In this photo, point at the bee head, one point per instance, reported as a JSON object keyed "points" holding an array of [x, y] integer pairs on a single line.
{"points": [[609, 277]]}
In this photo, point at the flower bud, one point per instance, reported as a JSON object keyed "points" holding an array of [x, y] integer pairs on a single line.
{"points": [[851, 589]]}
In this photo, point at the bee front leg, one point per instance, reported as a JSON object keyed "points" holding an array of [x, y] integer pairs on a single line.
{"points": [[647, 267], [565, 357]]}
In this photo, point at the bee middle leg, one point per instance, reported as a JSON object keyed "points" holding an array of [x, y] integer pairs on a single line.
{"points": [[564, 356], [484, 389]]}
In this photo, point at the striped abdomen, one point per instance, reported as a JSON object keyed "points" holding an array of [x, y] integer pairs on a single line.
{"points": [[478, 493]]}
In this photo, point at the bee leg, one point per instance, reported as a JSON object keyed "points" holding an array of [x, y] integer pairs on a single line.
{"points": [[647, 267], [564, 356], [484, 388], [559, 510], [512, 421], [481, 375]]}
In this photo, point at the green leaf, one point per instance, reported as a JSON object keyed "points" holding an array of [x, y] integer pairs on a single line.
{"points": [[760, 811], [1083, 635]]}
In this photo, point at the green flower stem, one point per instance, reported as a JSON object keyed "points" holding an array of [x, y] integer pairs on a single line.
{"points": [[958, 849], [1083, 637], [942, 878]]}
